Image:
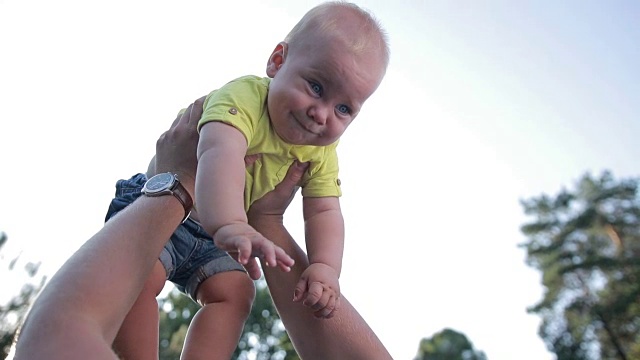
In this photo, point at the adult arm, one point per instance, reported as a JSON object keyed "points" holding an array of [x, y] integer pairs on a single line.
{"points": [[80, 310], [344, 336]]}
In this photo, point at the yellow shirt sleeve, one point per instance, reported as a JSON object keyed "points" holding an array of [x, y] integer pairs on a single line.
{"points": [[239, 103]]}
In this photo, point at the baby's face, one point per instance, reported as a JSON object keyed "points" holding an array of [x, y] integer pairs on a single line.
{"points": [[317, 92]]}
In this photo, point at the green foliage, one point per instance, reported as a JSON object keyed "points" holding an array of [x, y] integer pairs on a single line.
{"points": [[263, 336], [586, 243], [13, 313], [448, 345], [177, 311]]}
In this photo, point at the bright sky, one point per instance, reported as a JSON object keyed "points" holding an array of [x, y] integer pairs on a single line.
{"points": [[484, 103]]}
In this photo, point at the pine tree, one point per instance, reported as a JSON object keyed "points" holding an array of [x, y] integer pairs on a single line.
{"points": [[586, 243]]}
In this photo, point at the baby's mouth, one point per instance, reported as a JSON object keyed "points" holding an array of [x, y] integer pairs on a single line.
{"points": [[302, 125]]}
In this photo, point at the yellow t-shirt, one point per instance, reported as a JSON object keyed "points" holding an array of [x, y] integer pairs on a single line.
{"points": [[242, 103]]}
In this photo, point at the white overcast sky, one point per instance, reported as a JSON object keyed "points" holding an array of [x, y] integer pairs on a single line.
{"points": [[484, 103]]}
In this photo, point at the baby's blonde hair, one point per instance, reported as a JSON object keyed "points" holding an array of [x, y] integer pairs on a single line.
{"points": [[322, 19]]}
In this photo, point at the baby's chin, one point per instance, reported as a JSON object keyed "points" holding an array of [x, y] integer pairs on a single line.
{"points": [[301, 138], [305, 139], [293, 140]]}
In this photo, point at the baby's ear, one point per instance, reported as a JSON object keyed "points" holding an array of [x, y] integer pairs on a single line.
{"points": [[276, 60]]}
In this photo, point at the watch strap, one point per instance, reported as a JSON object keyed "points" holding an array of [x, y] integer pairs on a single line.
{"points": [[183, 196]]}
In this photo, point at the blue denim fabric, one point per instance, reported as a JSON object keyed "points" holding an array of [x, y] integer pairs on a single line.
{"points": [[190, 256]]}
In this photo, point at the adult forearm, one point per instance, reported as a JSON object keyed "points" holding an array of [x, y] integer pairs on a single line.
{"points": [[88, 292], [126, 248], [345, 336]]}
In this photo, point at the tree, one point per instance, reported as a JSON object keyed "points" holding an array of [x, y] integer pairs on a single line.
{"points": [[13, 313], [263, 337], [448, 345], [586, 243]]}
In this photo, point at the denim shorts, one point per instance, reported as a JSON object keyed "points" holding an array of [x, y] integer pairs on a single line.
{"points": [[190, 256]]}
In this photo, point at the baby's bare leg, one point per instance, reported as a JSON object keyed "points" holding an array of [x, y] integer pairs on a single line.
{"points": [[216, 328], [138, 335]]}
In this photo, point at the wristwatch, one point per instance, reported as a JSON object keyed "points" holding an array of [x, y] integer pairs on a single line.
{"points": [[169, 184]]}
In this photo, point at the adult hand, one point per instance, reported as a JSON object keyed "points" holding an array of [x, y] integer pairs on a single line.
{"points": [[273, 204], [176, 147]]}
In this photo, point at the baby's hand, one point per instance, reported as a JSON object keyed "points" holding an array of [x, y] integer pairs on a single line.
{"points": [[245, 242], [319, 289]]}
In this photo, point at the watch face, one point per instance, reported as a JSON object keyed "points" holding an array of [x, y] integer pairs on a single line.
{"points": [[159, 183]]}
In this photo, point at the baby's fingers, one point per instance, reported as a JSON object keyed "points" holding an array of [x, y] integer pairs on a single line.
{"points": [[265, 249], [300, 289], [314, 296], [284, 266], [253, 269], [329, 310], [284, 261], [243, 247], [274, 255]]}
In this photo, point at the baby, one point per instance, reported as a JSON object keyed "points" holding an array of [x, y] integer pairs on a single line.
{"points": [[317, 81]]}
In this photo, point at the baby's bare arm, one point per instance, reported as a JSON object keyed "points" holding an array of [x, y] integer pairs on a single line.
{"points": [[324, 231], [318, 287], [220, 198], [220, 176]]}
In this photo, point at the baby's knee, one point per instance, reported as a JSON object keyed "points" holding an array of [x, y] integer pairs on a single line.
{"points": [[233, 288], [243, 294]]}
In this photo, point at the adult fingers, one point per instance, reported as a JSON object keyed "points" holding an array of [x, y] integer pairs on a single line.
{"points": [[250, 159], [287, 188], [293, 176], [179, 118], [195, 111]]}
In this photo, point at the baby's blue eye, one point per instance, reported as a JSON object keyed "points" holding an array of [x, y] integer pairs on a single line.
{"points": [[343, 109], [316, 88]]}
